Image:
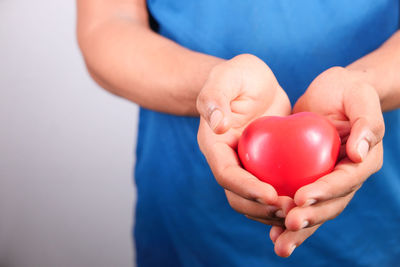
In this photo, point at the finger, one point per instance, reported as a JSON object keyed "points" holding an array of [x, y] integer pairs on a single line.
{"points": [[342, 125], [213, 101], [285, 204], [342, 153], [251, 208], [301, 217], [345, 178], [362, 107], [225, 166], [275, 232], [272, 222], [287, 241]]}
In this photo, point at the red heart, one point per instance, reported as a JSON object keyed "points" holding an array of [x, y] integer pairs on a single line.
{"points": [[289, 152]]}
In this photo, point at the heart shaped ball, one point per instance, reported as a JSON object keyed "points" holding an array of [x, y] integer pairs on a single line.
{"points": [[289, 152]]}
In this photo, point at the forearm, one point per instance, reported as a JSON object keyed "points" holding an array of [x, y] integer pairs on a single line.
{"points": [[128, 59], [381, 69]]}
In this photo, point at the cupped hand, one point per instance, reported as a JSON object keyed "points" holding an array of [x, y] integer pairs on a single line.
{"points": [[237, 92], [353, 106]]}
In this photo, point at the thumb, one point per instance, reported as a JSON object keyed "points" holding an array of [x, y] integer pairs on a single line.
{"points": [[213, 103], [362, 107], [214, 107]]}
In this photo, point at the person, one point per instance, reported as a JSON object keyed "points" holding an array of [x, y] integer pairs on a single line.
{"points": [[231, 62]]}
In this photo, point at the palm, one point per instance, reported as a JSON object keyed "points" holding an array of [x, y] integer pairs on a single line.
{"points": [[225, 144], [326, 98], [245, 109], [242, 90], [353, 106]]}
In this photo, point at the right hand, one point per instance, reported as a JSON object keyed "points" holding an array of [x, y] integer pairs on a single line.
{"points": [[237, 92]]}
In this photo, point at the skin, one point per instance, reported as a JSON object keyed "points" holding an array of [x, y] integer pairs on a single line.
{"points": [[354, 108], [154, 72], [237, 92], [159, 74], [353, 98]]}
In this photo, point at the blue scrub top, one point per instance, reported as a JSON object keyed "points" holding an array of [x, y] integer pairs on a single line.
{"points": [[182, 215]]}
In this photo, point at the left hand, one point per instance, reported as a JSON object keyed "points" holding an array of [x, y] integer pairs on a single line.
{"points": [[353, 106]]}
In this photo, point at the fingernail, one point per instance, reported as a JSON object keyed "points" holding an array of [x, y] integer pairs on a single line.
{"points": [[309, 202], [363, 148], [292, 248], [215, 118], [305, 224], [280, 214]]}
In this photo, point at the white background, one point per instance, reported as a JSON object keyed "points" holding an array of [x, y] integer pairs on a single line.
{"points": [[66, 147]]}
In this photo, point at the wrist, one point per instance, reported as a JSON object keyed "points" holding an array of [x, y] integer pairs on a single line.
{"points": [[380, 69], [370, 76]]}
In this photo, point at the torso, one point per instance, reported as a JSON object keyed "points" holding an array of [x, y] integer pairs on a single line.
{"points": [[183, 217]]}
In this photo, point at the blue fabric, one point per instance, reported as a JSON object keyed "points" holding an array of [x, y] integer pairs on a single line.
{"points": [[182, 215]]}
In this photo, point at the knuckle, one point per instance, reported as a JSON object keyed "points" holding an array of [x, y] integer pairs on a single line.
{"points": [[219, 72], [220, 179], [352, 188], [332, 73], [352, 182], [375, 120], [200, 143], [374, 127], [380, 128], [250, 195], [325, 188], [235, 207], [233, 202], [379, 164], [335, 213], [220, 176], [200, 140], [313, 218], [249, 192], [245, 56], [201, 100], [377, 128], [336, 70], [245, 188], [379, 161]]}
